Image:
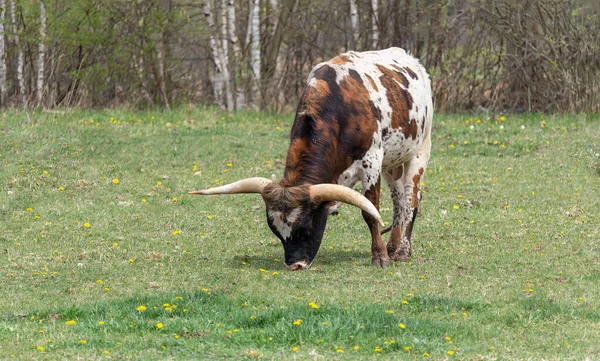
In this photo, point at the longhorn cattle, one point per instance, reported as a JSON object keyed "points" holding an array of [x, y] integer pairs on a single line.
{"points": [[363, 115]]}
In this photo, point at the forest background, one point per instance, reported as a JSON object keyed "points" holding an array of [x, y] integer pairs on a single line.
{"points": [[483, 55]]}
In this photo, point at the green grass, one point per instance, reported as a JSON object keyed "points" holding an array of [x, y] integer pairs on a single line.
{"points": [[506, 257]]}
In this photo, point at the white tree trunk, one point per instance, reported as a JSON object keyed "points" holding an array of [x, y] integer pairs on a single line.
{"points": [[233, 39], [2, 54], [255, 48], [41, 54], [275, 14], [20, 56], [354, 23], [237, 55], [221, 77], [374, 18], [224, 53]]}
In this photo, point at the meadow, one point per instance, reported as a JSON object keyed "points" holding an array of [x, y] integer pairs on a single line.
{"points": [[104, 255]]}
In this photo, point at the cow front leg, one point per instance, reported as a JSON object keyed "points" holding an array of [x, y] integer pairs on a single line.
{"points": [[379, 254]]}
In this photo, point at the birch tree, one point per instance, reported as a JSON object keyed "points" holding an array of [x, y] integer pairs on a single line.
{"points": [[41, 54], [2, 54], [274, 10], [20, 56], [224, 53], [237, 55], [354, 23], [255, 48], [375, 28], [221, 78]]}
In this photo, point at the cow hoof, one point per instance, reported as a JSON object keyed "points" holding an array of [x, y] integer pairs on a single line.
{"points": [[391, 248], [400, 255], [381, 262]]}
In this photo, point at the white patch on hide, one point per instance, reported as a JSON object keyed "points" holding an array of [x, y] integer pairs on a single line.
{"points": [[282, 223]]}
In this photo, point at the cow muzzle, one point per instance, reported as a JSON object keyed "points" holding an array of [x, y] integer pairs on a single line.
{"points": [[298, 266]]}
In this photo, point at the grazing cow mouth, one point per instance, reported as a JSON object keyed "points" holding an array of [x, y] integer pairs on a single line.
{"points": [[298, 266]]}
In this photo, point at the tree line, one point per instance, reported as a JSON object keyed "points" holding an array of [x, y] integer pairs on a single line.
{"points": [[508, 55]]}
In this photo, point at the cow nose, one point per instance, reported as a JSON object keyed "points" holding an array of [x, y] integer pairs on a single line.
{"points": [[298, 266]]}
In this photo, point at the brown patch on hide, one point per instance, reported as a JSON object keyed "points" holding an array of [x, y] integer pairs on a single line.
{"points": [[416, 187], [340, 60], [373, 85], [334, 126], [400, 101], [314, 97]]}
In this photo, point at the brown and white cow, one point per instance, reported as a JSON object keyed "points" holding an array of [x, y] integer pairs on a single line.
{"points": [[362, 115]]}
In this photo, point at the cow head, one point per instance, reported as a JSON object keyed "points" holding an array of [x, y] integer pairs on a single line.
{"points": [[297, 215]]}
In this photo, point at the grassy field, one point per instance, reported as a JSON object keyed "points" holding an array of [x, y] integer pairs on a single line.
{"points": [[104, 255]]}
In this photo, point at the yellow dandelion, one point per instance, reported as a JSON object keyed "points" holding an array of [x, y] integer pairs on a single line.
{"points": [[83, 342], [176, 232], [407, 348], [377, 349], [71, 323], [115, 181], [313, 305], [40, 348], [159, 325], [391, 312], [61, 188], [99, 281], [175, 200], [295, 348], [402, 326], [141, 308], [356, 347], [101, 322], [87, 225], [426, 354], [450, 352], [131, 260], [297, 322], [209, 216], [456, 206], [404, 302]]}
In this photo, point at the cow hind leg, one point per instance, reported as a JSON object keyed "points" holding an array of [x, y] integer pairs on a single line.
{"points": [[414, 170], [379, 254], [395, 246]]}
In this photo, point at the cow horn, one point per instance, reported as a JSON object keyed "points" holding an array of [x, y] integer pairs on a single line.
{"points": [[335, 192], [248, 185]]}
